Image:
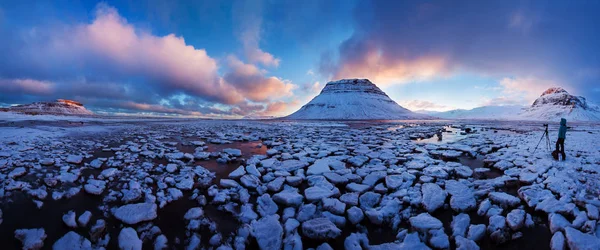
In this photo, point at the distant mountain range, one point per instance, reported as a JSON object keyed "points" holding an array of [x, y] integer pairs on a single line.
{"points": [[553, 104], [353, 99]]}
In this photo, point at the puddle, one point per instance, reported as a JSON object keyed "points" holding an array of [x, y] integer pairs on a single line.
{"points": [[450, 134], [248, 148], [23, 214], [477, 162]]}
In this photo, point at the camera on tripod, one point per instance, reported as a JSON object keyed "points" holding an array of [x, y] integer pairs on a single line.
{"points": [[544, 135], [546, 125]]}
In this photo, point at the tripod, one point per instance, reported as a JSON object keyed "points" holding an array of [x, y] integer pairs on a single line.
{"points": [[547, 139]]}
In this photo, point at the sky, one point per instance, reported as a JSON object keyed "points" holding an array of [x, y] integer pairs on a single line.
{"points": [[228, 59]]}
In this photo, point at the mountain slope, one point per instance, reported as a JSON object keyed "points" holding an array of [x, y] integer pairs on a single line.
{"points": [[553, 104], [557, 103], [485, 112], [353, 99], [59, 107]]}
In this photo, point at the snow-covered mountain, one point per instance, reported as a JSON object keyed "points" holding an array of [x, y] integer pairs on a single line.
{"points": [[553, 104], [485, 112], [59, 107], [557, 103], [353, 99]]}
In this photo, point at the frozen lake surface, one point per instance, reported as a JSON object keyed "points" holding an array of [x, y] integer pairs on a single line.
{"points": [[205, 184]]}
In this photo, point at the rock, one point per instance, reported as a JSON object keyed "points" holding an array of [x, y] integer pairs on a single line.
{"points": [[276, 185], [425, 222], [69, 219], [288, 198], [72, 241], [558, 241], [95, 187], [194, 242], [32, 239], [579, 241], [433, 197], [135, 213], [504, 200], [355, 215], [476, 232], [268, 232], [320, 229], [128, 239], [171, 168], [516, 219], [459, 225]]}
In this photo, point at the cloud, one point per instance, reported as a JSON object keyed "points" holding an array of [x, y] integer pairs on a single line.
{"points": [[248, 18], [528, 88], [26, 86], [109, 62], [252, 83], [408, 41], [423, 105]]}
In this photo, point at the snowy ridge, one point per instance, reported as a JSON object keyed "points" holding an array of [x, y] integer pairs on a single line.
{"points": [[485, 112], [557, 103], [353, 99], [59, 107], [553, 104]]}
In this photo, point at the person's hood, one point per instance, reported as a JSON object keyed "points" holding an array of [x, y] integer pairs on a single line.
{"points": [[563, 122]]}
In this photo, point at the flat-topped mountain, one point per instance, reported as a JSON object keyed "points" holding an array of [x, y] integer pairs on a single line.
{"points": [[59, 107], [353, 99]]}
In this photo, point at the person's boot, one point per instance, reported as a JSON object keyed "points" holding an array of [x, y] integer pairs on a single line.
{"points": [[564, 156]]}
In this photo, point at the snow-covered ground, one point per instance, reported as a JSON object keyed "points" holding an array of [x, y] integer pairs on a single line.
{"points": [[193, 184]]}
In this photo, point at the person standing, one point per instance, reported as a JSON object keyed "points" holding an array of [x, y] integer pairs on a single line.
{"points": [[562, 134]]}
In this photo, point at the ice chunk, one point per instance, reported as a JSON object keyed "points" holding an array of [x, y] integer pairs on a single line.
{"points": [[320, 228], [433, 197], [194, 213], [72, 241], [135, 213], [129, 240], [69, 219], [579, 240], [459, 225], [268, 232], [317, 193], [476, 232], [503, 199], [266, 206], [74, 159], [424, 222], [465, 244], [558, 241], [84, 218], [355, 215], [31, 239], [288, 198], [516, 219]]}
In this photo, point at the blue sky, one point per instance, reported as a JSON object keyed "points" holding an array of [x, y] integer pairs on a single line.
{"points": [[238, 58]]}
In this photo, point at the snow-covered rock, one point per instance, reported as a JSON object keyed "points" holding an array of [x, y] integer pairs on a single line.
{"points": [[32, 239], [129, 240], [135, 213], [320, 228], [72, 241], [268, 232]]}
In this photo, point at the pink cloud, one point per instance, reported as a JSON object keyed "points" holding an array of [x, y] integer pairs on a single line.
{"points": [[27, 86], [251, 82]]}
